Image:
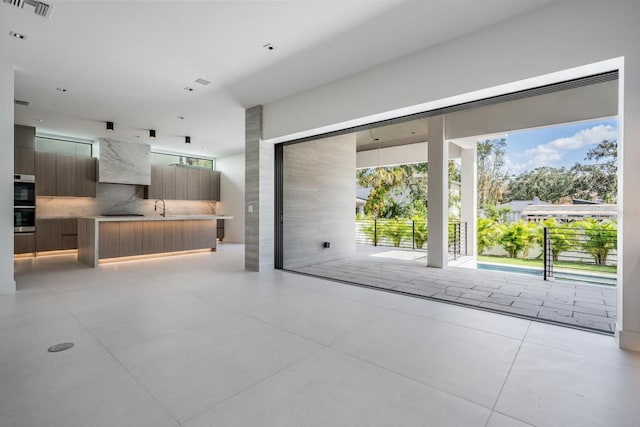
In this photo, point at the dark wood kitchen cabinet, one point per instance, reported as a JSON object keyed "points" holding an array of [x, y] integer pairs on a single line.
{"points": [[45, 174], [155, 189], [48, 235], [109, 241], [54, 234], [183, 183], [65, 175], [169, 182], [24, 243], [86, 176], [24, 155]]}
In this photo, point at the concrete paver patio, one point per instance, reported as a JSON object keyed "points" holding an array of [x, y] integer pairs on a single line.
{"points": [[586, 306]]}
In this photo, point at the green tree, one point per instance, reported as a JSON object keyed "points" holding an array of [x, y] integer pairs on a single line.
{"points": [[396, 230], [600, 238], [517, 237], [381, 181], [546, 183], [488, 234], [600, 176], [561, 236], [492, 174], [418, 214]]}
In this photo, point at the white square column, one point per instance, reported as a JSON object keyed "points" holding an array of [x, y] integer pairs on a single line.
{"points": [[438, 195], [469, 206], [7, 282]]}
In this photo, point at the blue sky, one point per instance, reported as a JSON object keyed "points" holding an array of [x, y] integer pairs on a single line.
{"points": [[556, 146]]}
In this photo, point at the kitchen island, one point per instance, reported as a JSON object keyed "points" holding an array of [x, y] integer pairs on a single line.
{"points": [[112, 237]]}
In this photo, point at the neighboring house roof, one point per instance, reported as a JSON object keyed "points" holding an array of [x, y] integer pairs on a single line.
{"points": [[520, 205], [360, 201], [362, 192], [608, 211]]}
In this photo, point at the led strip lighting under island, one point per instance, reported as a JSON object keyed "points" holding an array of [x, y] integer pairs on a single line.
{"points": [[102, 238]]}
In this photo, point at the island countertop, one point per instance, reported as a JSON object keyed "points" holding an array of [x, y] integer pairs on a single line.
{"points": [[185, 217], [107, 237]]}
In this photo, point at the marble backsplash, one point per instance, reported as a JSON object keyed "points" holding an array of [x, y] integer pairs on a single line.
{"points": [[117, 198]]}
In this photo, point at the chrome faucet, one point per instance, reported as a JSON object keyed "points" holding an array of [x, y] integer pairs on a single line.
{"points": [[164, 207]]}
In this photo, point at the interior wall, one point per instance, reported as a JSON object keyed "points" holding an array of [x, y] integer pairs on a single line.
{"points": [[7, 283], [232, 195], [319, 200], [564, 40]]}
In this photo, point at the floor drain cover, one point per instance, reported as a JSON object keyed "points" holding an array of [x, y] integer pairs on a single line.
{"points": [[60, 347]]}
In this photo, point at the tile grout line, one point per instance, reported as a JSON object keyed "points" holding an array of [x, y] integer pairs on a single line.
{"points": [[119, 362], [415, 380], [508, 373], [215, 405]]}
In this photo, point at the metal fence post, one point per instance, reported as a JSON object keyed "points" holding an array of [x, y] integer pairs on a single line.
{"points": [[545, 231], [466, 244], [375, 232], [455, 241], [413, 235]]}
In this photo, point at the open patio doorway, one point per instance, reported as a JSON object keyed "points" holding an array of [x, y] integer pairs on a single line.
{"points": [[354, 206]]}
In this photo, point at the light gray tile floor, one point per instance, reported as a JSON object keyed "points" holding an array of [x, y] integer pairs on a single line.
{"points": [[197, 341], [581, 305]]}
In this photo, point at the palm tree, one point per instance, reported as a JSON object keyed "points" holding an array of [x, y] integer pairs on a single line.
{"points": [[381, 180], [601, 237]]}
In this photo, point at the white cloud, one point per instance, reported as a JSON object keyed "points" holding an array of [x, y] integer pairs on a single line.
{"points": [[550, 153]]}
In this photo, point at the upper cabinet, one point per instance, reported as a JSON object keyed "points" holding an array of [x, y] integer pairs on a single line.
{"points": [[182, 183], [65, 175], [24, 140]]}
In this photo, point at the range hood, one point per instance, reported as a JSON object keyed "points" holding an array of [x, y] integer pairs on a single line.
{"points": [[124, 162]]}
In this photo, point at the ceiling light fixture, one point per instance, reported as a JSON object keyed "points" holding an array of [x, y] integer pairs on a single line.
{"points": [[39, 8], [268, 46], [110, 126], [17, 35], [188, 89], [61, 89], [152, 133], [203, 82], [187, 140], [181, 117]]}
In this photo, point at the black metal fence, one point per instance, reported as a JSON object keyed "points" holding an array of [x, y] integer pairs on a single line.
{"points": [[458, 239], [407, 234], [584, 254]]}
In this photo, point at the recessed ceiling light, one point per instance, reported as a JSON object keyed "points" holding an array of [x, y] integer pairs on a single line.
{"points": [[17, 35], [268, 46], [181, 117], [203, 82], [61, 89], [188, 89]]}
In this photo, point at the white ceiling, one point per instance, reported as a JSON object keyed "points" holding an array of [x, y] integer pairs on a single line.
{"points": [[129, 62]]}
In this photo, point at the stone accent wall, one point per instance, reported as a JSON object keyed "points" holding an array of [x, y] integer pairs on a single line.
{"points": [[259, 203], [319, 200]]}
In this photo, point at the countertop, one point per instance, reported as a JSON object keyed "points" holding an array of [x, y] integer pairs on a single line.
{"points": [[156, 218]]}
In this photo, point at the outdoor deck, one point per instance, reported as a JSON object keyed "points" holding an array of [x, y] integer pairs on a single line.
{"points": [[576, 304]]}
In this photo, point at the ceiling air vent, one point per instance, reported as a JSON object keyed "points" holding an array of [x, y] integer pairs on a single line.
{"points": [[39, 8], [22, 103]]}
